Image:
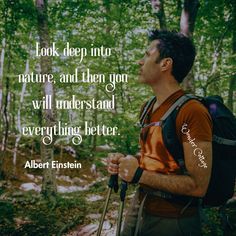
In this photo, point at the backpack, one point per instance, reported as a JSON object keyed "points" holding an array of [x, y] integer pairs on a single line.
{"points": [[222, 181]]}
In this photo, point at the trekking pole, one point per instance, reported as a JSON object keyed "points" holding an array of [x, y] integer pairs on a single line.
{"points": [[112, 184], [121, 208]]}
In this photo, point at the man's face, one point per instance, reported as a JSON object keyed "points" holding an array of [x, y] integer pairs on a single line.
{"points": [[149, 68]]}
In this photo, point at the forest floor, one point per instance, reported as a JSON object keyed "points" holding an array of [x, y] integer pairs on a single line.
{"points": [[78, 205]]}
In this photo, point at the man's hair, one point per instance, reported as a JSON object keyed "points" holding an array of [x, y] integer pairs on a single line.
{"points": [[178, 47]]}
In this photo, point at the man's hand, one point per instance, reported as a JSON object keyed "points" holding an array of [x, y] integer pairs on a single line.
{"points": [[127, 167], [113, 162]]}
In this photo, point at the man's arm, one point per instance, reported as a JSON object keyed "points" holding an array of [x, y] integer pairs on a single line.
{"points": [[198, 161]]}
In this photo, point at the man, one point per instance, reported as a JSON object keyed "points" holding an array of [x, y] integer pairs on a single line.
{"points": [[157, 208]]}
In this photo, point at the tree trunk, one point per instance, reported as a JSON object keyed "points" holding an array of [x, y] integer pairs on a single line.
{"points": [[232, 82], [49, 116], [232, 95], [1, 96], [158, 9], [188, 17], [6, 118], [6, 100], [95, 121], [1, 71], [187, 23], [13, 111], [18, 136]]}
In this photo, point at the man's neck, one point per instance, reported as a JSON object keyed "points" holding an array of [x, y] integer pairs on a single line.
{"points": [[163, 90]]}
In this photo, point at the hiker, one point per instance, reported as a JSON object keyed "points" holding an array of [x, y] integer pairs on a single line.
{"points": [[166, 202]]}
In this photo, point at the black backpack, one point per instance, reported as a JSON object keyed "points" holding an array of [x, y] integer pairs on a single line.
{"points": [[222, 182]]}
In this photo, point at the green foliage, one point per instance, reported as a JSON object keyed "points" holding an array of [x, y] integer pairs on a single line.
{"points": [[211, 224], [121, 25], [6, 218], [127, 141], [38, 217], [6, 212], [99, 187]]}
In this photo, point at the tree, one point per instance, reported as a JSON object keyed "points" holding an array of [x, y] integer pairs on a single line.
{"points": [[187, 23], [232, 81], [158, 8], [10, 25], [49, 115]]}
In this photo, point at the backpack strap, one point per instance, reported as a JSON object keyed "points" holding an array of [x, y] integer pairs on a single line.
{"points": [[145, 111], [224, 141], [173, 145], [173, 110], [169, 135], [177, 104], [170, 138]]}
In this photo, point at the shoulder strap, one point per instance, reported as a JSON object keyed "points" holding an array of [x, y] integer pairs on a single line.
{"points": [[145, 110], [177, 104], [168, 123]]}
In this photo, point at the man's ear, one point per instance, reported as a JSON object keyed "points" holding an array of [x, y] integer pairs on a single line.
{"points": [[166, 64]]}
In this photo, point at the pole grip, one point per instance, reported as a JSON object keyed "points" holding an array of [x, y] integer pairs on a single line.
{"points": [[123, 189], [113, 183]]}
